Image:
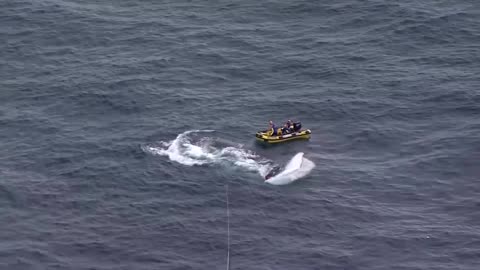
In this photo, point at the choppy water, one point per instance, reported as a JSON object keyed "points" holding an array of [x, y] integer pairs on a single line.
{"points": [[94, 93]]}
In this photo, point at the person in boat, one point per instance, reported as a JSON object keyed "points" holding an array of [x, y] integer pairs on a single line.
{"points": [[286, 129], [294, 126], [290, 126], [272, 129]]}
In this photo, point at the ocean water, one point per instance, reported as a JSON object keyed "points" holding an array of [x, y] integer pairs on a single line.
{"points": [[124, 125]]}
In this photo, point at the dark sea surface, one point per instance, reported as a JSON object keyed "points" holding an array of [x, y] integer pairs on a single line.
{"points": [[106, 161]]}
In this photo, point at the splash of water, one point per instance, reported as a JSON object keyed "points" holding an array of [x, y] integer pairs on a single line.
{"points": [[190, 151]]}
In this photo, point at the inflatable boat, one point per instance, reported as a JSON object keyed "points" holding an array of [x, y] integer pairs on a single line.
{"points": [[298, 135]]}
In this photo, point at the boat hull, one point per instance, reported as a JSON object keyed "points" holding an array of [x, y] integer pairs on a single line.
{"points": [[299, 135]]}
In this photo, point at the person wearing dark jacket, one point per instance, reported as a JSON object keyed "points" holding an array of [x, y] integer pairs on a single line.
{"points": [[272, 129]]}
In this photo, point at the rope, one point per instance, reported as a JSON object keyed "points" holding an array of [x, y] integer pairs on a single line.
{"points": [[228, 228]]}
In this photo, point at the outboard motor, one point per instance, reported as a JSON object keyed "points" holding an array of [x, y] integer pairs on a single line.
{"points": [[297, 126]]}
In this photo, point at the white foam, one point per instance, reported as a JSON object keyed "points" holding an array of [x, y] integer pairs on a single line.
{"points": [[190, 151], [296, 168], [175, 150]]}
